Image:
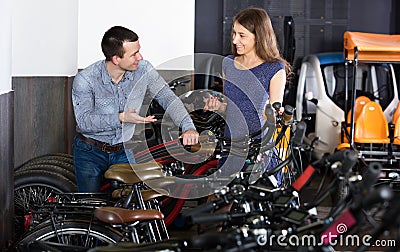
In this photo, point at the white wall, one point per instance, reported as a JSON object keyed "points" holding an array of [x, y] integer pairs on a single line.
{"points": [[165, 29], [44, 37], [57, 37], [5, 46]]}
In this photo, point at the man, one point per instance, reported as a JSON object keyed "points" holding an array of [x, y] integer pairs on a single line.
{"points": [[110, 93]]}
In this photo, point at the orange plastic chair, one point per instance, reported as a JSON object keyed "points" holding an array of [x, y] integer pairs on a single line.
{"points": [[359, 104], [396, 139], [371, 125], [396, 114]]}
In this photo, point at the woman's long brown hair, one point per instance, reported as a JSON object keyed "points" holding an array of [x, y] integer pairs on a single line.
{"points": [[257, 21]]}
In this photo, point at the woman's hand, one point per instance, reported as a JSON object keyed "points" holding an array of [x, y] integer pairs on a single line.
{"points": [[212, 104]]}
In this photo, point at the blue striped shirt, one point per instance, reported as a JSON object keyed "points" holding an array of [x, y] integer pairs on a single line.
{"points": [[97, 101]]}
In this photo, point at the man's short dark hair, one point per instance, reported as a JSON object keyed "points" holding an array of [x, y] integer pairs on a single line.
{"points": [[113, 39]]}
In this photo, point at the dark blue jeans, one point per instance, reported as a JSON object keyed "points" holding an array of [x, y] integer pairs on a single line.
{"points": [[91, 163]]}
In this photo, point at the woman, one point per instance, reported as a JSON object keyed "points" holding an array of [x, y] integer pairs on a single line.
{"points": [[254, 75]]}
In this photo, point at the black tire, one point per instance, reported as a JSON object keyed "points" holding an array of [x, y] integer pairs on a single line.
{"points": [[48, 167], [72, 233], [33, 188], [57, 161], [53, 156], [342, 192]]}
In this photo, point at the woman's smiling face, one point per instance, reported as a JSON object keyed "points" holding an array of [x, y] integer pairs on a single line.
{"points": [[243, 39]]}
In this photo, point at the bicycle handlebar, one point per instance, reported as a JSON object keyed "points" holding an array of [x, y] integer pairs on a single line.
{"points": [[346, 159], [207, 207], [212, 240], [216, 217]]}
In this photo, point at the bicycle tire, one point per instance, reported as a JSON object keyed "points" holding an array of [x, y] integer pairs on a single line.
{"points": [[58, 161], [49, 167], [33, 187], [71, 233]]}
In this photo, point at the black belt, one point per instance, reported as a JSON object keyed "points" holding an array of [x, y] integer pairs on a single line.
{"points": [[105, 147]]}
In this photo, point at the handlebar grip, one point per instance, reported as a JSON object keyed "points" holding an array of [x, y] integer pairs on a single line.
{"points": [[337, 156], [270, 114], [349, 161], [288, 114], [298, 137], [276, 105], [197, 146], [370, 176], [215, 217]]}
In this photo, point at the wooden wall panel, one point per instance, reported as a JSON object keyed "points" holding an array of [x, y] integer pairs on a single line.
{"points": [[6, 170], [70, 123], [39, 117]]}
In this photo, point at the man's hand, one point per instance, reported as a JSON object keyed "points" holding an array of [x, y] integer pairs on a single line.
{"points": [[131, 116], [190, 137]]}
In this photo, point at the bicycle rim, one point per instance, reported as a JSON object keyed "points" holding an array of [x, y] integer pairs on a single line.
{"points": [[72, 233], [32, 189]]}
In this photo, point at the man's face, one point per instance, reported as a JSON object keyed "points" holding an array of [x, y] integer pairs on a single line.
{"points": [[132, 56]]}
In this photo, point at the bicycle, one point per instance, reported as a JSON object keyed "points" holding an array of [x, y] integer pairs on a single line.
{"points": [[79, 220], [250, 230], [270, 213]]}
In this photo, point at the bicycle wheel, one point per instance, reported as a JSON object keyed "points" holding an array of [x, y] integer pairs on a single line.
{"points": [[33, 188], [79, 233], [57, 161]]}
